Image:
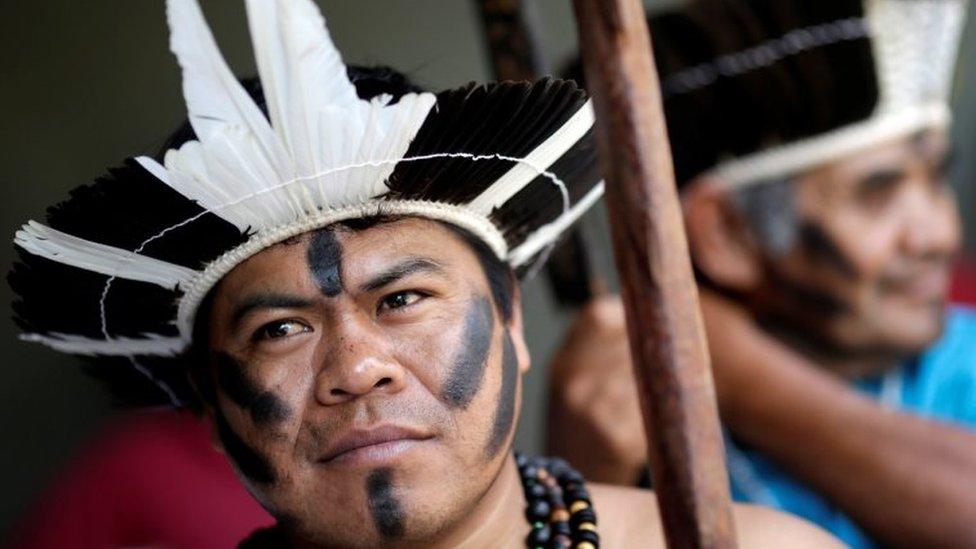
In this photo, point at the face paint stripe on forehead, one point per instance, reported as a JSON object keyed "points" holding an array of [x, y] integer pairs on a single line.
{"points": [[468, 369], [325, 262], [263, 406], [385, 508], [505, 412]]}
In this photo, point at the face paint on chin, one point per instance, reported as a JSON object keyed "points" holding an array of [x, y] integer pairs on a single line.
{"points": [[383, 504], [468, 370], [505, 412], [263, 406], [819, 246], [325, 261]]}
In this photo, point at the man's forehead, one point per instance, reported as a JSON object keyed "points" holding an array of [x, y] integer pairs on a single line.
{"points": [[360, 250]]}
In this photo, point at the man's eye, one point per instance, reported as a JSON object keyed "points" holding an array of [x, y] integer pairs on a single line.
{"points": [[280, 329], [400, 299]]}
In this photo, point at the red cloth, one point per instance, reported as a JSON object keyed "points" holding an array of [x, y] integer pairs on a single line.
{"points": [[151, 480], [964, 282]]}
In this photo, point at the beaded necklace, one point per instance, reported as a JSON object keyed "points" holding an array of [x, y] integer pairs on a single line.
{"points": [[558, 505]]}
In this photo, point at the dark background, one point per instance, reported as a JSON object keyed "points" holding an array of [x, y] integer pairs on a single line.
{"points": [[85, 84]]}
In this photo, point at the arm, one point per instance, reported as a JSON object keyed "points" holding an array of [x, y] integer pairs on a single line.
{"points": [[628, 514], [594, 419], [909, 481]]}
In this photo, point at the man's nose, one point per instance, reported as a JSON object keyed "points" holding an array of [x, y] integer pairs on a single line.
{"points": [[931, 223], [357, 363]]}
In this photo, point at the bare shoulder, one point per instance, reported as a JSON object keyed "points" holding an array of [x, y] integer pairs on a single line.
{"points": [[626, 515], [629, 515], [764, 527]]}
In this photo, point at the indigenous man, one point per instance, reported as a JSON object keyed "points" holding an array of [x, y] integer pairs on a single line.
{"points": [[334, 260], [810, 143]]}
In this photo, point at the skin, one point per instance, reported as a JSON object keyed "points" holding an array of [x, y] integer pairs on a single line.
{"points": [[878, 232], [382, 350], [342, 330], [863, 288]]}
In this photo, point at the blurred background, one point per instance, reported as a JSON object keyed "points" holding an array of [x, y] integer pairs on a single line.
{"points": [[84, 85]]}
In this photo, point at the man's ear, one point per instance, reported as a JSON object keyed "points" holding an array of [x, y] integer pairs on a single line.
{"points": [[721, 243], [516, 331]]}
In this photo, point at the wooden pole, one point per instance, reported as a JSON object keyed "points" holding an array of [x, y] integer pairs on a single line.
{"points": [[667, 340], [512, 43]]}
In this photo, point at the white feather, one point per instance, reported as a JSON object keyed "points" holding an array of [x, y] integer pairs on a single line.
{"points": [[151, 345], [329, 132], [214, 97], [549, 232], [55, 245], [154, 168], [324, 148], [522, 173]]}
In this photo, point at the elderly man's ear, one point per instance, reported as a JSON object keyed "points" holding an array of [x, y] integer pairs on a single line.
{"points": [[722, 245]]}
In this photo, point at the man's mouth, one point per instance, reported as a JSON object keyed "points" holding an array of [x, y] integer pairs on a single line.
{"points": [[931, 284], [373, 446]]}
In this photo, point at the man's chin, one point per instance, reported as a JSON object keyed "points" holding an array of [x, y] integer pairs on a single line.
{"points": [[911, 330]]}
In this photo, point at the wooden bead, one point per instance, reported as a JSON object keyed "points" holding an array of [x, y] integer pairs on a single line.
{"points": [[559, 515], [585, 545], [578, 506], [587, 526]]}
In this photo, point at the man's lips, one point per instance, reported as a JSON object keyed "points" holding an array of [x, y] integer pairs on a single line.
{"points": [[924, 285], [380, 443]]}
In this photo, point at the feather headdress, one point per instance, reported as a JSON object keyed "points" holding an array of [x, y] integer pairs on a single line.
{"points": [[756, 90], [120, 268]]}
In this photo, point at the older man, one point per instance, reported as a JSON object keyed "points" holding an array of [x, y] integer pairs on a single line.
{"points": [[326, 270], [810, 143]]}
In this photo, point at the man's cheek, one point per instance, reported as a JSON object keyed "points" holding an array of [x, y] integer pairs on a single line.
{"points": [[467, 368]]}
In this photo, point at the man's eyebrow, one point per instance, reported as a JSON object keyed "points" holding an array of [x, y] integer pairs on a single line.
{"points": [[880, 178], [400, 270], [268, 301]]}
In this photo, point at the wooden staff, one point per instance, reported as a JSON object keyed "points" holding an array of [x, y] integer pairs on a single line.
{"points": [[513, 44], [667, 340]]}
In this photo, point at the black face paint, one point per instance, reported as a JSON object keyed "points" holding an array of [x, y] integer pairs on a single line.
{"points": [[386, 510], [505, 412], [820, 247], [263, 406], [325, 262], [812, 301], [468, 370], [250, 463]]}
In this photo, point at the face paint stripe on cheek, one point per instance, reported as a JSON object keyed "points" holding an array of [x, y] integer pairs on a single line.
{"points": [[325, 262], [813, 301], [263, 406], [385, 508], [505, 412], [468, 370], [249, 462], [818, 245]]}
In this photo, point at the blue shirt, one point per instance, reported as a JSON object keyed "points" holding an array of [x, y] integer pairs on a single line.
{"points": [[939, 384]]}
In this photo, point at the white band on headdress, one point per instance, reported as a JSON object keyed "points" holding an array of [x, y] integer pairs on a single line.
{"points": [[478, 225], [785, 160], [914, 45]]}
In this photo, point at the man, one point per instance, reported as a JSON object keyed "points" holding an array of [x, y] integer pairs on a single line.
{"points": [[810, 143], [333, 259]]}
